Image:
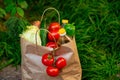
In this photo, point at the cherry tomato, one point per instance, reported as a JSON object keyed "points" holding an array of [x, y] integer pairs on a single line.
{"points": [[60, 63], [48, 59], [52, 71], [53, 35], [54, 26], [51, 45]]}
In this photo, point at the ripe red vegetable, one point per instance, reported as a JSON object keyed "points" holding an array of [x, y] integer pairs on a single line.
{"points": [[53, 35], [51, 45], [48, 59], [54, 26], [60, 63], [52, 71]]}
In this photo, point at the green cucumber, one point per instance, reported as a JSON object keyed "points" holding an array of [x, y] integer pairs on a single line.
{"points": [[43, 33]]}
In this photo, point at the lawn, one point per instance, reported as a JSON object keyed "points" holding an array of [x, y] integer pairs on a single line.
{"points": [[97, 32]]}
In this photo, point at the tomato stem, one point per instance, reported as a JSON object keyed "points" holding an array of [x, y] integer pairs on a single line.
{"points": [[49, 56], [53, 53]]}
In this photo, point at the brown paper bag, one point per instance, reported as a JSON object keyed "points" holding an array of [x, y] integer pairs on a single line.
{"points": [[33, 69]]}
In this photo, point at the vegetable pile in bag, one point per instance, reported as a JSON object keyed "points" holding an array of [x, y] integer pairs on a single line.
{"points": [[53, 54]]}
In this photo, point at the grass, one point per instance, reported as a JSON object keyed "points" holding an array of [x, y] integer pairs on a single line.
{"points": [[97, 33]]}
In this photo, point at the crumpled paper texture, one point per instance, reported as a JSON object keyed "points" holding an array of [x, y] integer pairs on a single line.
{"points": [[33, 69]]}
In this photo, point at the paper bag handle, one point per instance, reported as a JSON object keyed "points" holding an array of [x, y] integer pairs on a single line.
{"points": [[50, 9]]}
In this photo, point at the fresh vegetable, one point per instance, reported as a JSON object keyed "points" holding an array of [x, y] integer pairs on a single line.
{"points": [[70, 29], [51, 45], [52, 71], [43, 33], [53, 35], [30, 34], [48, 59], [60, 63], [54, 26]]}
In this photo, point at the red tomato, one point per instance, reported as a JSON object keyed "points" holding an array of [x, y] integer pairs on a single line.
{"points": [[51, 45], [52, 71], [48, 59], [60, 63], [54, 34], [54, 26]]}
